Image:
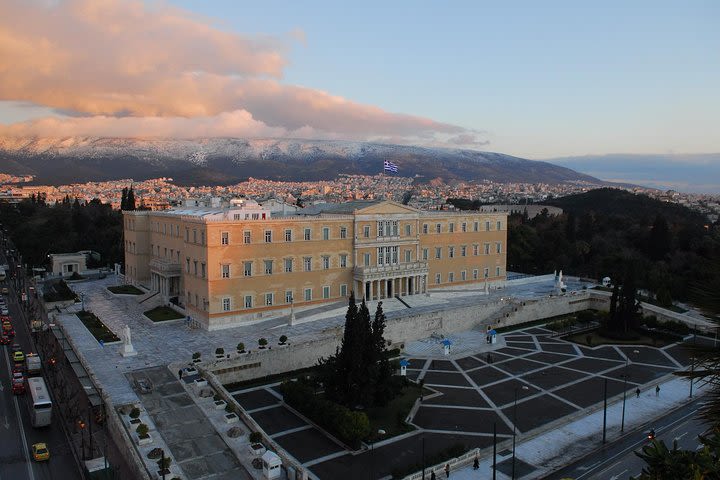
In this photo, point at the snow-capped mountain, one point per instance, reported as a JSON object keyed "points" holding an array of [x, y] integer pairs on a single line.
{"points": [[230, 160]]}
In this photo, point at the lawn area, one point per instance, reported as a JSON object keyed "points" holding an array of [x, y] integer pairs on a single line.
{"points": [[162, 314], [125, 290], [96, 327], [596, 339], [391, 417]]}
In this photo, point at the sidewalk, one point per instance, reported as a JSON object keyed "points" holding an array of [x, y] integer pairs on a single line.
{"points": [[553, 449]]}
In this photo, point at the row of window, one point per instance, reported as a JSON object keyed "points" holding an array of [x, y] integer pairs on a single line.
{"points": [[269, 266], [268, 299], [463, 275], [385, 228], [452, 251], [385, 256]]}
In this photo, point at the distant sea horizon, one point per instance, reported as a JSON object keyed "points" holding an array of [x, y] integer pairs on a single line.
{"points": [[690, 173]]}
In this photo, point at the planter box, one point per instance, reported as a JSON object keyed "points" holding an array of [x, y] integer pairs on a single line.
{"points": [[133, 422], [190, 371], [257, 449], [168, 475], [219, 357], [220, 404], [231, 418], [197, 360], [144, 441], [200, 382]]}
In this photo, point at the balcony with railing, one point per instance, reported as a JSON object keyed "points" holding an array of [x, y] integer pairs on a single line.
{"points": [[166, 268], [374, 272]]}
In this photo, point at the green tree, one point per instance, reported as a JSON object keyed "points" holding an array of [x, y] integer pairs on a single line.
{"points": [[130, 202]]}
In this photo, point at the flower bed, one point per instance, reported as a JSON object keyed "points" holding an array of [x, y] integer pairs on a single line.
{"points": [[96, 327]]}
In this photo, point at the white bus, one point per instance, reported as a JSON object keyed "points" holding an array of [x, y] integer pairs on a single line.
{"points": [[40, 404]]}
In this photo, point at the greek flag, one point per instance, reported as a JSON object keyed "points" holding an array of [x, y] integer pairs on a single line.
{"points": [[390, 167]]}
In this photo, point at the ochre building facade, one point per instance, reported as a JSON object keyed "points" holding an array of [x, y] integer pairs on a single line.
{"points": [[231, 264]]}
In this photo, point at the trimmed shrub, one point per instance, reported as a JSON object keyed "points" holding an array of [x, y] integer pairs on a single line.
{"points": [[262, 342], [196, 355], [219, 351], [135, 412], [142, 430], [240, 347], [164, 463], [347, 425], [283, 339], [255, 437]]}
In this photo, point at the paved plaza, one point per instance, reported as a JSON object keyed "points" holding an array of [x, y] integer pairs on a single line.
{"points": [[554, 381]]}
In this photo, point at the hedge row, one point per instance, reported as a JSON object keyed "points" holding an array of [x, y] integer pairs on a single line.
{"points": [[347, 425]]}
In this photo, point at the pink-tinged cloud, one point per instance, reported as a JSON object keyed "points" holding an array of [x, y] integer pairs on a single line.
{"points": [[128, 66]]}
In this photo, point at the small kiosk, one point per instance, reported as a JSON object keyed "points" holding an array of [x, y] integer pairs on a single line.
{"points": [[491, 336], [271, 465], [446, 346], [403, 367]]}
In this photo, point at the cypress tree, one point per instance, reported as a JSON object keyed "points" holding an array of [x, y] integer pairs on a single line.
{"points": [[123, 199], [130, 202]]}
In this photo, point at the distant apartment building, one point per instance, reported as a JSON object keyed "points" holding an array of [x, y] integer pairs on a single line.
{"points": [[235, 263]]}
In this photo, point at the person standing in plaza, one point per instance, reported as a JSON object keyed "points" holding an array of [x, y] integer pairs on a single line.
{"points": [[657, 391], [432, 475], [637, 392], [180, 374], [476, 463], [447, 470]]}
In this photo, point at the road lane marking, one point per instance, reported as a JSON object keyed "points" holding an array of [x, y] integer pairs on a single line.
{"points": [[619, 475], [28, 464], [638, 443], [679, 437]]}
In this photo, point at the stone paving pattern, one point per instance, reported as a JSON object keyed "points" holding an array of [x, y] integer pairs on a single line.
{"points": [[192, 440], [552, 378]]}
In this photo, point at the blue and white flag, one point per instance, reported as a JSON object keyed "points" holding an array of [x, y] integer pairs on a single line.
{"points": [[390, 167]]}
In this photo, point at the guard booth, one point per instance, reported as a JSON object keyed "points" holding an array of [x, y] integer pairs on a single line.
{"points": [[446, 346], [403, 367], [491, 336], [271, 465]]}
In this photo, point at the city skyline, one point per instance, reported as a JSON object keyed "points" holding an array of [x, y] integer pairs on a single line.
{"points": [[563, 80]]}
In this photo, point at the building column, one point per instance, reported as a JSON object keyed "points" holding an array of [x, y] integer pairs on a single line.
{"points": [[407, 285], [425, 284], [372, 289]]}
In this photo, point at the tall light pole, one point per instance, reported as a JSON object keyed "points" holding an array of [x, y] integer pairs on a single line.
{"points": [[380, 433], [605, 412], [524, 387], [625, 377], [692, 370]]}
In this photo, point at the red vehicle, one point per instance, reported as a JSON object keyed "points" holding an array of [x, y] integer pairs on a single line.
{"points": [[4, 340], [10, 333], [18, 383], [6, 326]]}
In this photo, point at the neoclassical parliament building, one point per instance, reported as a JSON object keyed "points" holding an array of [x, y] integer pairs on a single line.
{"points": [[237, 262]]}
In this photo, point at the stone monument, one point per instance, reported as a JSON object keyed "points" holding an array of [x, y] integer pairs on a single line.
{"points": [[128, 349]]}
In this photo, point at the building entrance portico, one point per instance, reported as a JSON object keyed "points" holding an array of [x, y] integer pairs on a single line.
{"points": [[390, 287]]}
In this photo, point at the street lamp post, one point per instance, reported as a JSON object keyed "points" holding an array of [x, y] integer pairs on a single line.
{"points": [[692, 371], [380, 433], [605, 412], [524, 387], [625, 377]]}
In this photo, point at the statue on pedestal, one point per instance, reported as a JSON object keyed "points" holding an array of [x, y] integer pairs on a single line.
{"points": [[128, 349]]}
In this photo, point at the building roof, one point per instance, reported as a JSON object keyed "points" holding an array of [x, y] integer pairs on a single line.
{"points": [[339, 208]]}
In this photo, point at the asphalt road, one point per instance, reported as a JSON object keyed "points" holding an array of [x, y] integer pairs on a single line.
{"points": [[17, 435], [617, 460]]}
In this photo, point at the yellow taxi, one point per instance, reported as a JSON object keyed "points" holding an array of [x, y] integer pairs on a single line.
{"points": [[18, 356], [40, 452]]}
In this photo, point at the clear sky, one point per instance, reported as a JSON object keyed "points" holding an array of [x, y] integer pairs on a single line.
{"points": [[534, 79]]}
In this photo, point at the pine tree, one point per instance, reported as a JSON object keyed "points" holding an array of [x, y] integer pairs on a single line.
{"points": [[383, 369], [130, 202], [123, 199]]}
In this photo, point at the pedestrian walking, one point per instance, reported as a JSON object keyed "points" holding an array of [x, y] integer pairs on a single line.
{"points": [[447, 470], [657, 391], [637, 392], [180, 374], [476, 463], [432, 475]]}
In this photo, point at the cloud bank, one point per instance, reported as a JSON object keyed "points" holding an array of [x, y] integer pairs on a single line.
{"points": [[130, 68]]}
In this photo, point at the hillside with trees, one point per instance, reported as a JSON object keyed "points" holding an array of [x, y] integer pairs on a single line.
{"points": [[38, 228], [604, 232]]}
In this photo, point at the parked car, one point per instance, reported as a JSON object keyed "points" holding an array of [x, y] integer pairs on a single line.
{"points": [[40, 452], [18, 357], [5, 290]]}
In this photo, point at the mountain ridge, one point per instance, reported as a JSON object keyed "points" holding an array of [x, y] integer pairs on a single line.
{"points": [[227, 160]]}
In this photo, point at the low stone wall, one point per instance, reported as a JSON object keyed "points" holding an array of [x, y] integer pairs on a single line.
{"points": [[124, 443], [399, 330]]}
